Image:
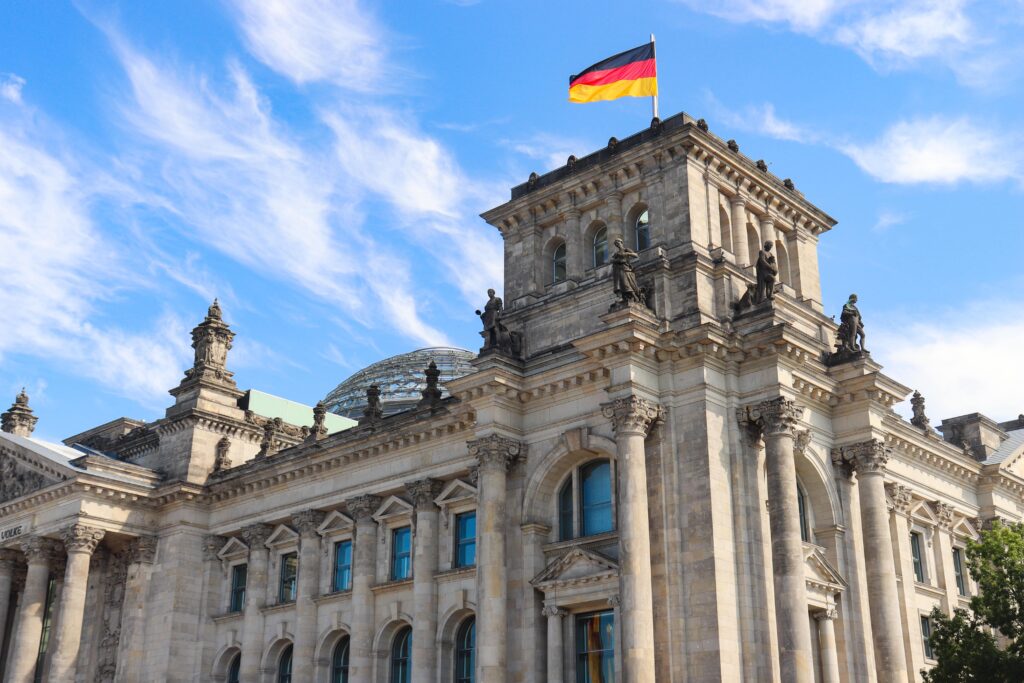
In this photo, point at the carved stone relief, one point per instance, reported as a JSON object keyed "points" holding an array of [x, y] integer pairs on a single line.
{"points": [[17, 481]]}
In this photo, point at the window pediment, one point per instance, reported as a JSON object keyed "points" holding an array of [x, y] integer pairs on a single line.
{"points": [[820, 574], [576, 566], [282, 536], [456, 491], [234, 548], [392, 507], [335, 522]]}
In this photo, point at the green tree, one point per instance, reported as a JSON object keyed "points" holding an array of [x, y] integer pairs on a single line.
{"points": [[964, 643]]}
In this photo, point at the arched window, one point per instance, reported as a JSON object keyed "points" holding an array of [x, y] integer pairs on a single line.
{"points": [[642, 231], [585, 501], [339, 662], [235, 668], [465, 651], [801, 501], [783, 263], [401, 651], [601, 247], [284, 666], [753, 244], [726, 226], [558, 264]]}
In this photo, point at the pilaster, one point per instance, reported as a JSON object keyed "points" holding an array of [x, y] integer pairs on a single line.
{"points": [[306, 522], [364, 574], [255, 536], [424, 567]]}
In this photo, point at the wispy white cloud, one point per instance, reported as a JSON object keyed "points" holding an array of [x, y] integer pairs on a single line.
{"points": [[10, 87], [909, 31], [888, 219], [762, 119], [800, 15], [551, 150]]}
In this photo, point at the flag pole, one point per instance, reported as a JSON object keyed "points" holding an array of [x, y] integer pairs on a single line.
{"points": [[654, 98]]}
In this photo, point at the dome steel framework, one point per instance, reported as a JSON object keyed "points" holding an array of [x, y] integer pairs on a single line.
{"points": [[401, 380]]}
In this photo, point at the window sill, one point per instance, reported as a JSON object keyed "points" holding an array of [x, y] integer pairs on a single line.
{"points": [[331, 597], [455, 574], [596, 539], [228, 617], [279, 607], [392, 585]]}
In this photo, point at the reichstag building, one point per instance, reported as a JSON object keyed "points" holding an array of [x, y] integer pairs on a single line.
{"points": [[667, 462]]}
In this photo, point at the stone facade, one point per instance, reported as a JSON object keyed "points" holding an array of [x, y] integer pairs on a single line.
{"points": [[675, 490]]}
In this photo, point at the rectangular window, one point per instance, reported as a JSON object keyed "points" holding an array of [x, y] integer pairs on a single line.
{"points": [[465, 539], [926, 635], [239, 576], [915, 552], [342, 566], [289, 572], [401, 553], [595, 647], [958, 572]]}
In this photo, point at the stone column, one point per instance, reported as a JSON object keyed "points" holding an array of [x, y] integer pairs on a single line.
{"points": [[424, 567], [255, 536], [364, 576], [307, 522], [132, 646], [739, 230], [827, 644], [767, 224], [901, 499], [616, 226], [40, 553], [80, 541], [631, 418], [8, 559], [495, 455], [777, 419], [944, 539], [556, 661], [575, 251], [868, 459]]}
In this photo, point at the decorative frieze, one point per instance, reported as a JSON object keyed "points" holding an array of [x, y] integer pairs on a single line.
{"points": [[496, 452], [632, 414], [80, 538], [423, 492], [945, 514], [17, 480], [113, 602]]}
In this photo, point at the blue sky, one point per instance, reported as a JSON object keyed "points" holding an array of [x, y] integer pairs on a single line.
{"points": [[320, 166]]}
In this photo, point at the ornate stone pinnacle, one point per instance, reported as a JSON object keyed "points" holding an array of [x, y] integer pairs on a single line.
{"points": [[211, 340], [270, 429], [80, 538], [944, 512], [867, 456], [632, 414], [212, 545], [41, 550], [432, 393], [552, 611], [423, 492], [143, 550], [18, 419], [496, 451], [308, 521], [255, 535], [373, 410], [774, 416], [362, 507], [900, 496]]}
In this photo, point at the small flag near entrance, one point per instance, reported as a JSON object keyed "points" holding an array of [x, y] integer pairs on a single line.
{"points": [[632, 73]]}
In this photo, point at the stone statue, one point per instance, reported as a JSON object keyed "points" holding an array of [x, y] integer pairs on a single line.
{"points": [[223, 459], [319, 418], [373, 410], [850, 337], [496, 336], [432, 393], [919, 419], [767, 271], [623, 276]]}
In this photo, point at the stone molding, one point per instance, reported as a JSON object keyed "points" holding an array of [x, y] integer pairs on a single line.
{"points": [[308, 521], [81, 538], [255, 535], [496, 452], [423, 492], [900, 497], [361, 508], [212, 545], [632, 414], [552, 611], [41, 550], [776, 416], [142, 550]]}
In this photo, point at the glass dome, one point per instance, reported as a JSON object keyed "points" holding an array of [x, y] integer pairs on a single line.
{"points": [[400, 378]]}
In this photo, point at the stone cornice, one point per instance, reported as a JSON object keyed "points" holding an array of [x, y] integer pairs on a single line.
{"points": [[910, 443]]}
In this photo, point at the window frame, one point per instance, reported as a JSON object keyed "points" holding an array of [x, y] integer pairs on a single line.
{"points": [[396, 556], [286, 657], [403, 640], [573, 485], [468, 625], [646, 230], [959, 572], [557, 261], [582, 655], [235, 590], [917, 556], [292, 581], [803, 505], [339, 670], [336, 565], [602, 232], [926, 631], [458, 541]]}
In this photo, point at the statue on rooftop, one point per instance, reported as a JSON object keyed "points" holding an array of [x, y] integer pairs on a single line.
{"points": [[767, 271], [432, 392], [919, 419], [496, 336], [374, 410], [319, 418], [850, 335], [623, 275]]}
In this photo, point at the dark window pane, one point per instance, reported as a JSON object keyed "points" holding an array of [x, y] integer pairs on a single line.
{"points": [[284, 666], [805, 531], [958, 571], [289, 571], [465, 651], [596, 498], [465, 543], [565, 509], [239, 576], [926, 632], [234, 669], [339, 662], [643, 232], [558, 264], [401, 554], [342, 566], [601, 247], [915, 552], [595, 647], [401, 650]]}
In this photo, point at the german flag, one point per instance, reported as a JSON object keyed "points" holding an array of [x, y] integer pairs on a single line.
{"points": [[632, 73]]}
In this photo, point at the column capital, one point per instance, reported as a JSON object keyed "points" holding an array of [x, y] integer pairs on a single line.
{"points": [[828, 614], [867, 457], [900, 497], [212, 545], [615, 600], [41, 550], [552, 611], [775, 416], [496, 452], [255, 535], [81, 538], [632, 414], [142, 550], [362, 507], [308, 521], [8, 559], [944, 512], [841, 464], [423, 492]]}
